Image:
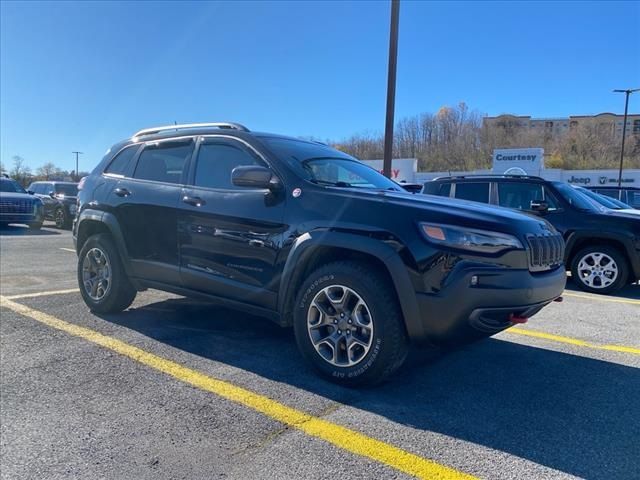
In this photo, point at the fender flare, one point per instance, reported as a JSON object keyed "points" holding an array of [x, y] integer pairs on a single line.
{"points": [[111, 222], [306, 244]]}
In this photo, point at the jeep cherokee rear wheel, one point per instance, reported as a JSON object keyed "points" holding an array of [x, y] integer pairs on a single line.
{"points": [[599, 269], [103, 282], [348, 324]]}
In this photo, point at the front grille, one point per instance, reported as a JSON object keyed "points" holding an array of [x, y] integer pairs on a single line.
{"points": [[16, 206], [545, 251]]}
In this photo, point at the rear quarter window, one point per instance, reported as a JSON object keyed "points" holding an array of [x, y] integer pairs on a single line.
{"points": [[437, 188], [120, 164]]}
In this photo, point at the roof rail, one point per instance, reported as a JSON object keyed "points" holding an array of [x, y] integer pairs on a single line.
{"points": [[490, 175], [183, 126]]}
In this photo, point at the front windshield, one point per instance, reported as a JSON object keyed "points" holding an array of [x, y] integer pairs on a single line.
{"points": [[601, 199], [324, 165], [67, 189], [576, 199], [11, 186]]}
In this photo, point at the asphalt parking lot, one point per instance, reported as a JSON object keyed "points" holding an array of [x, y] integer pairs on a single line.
{"points": [[174, 388]]}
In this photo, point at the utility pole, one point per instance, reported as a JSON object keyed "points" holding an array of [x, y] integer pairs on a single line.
{"points": [[391, 88], [627, 92], [77, 176]]}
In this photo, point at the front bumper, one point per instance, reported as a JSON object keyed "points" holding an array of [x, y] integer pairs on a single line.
{"points": [[462, 312], [21, 218]]}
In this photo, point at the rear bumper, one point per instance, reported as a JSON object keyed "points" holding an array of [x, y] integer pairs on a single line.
{"points": [[462, 312]]}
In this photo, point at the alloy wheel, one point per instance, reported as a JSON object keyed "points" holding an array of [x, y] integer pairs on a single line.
{"points": [[96, 274], [597, 270], [340, 326]]}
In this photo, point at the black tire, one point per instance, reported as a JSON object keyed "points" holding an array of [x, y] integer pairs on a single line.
{"points": [[35, 225], [579, 275], [119, 293], [61, 218], [388, 344]]}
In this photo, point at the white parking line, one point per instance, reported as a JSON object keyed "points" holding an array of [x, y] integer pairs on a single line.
{"points": [[42, 294], [68, 249]]}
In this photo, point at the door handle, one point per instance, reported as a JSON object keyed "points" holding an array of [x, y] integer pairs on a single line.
{"points": [[122, 192], [194, 201]]}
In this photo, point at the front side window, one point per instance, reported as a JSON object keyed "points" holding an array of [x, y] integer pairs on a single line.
{"points": [[519, 195], [163, 161], [474, 191], [66, 189], [216, 161]]}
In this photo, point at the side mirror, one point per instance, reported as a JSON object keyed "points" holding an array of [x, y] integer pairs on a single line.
{"points": [[539, 206], [254, 176], [52, 194], [31, 192]]}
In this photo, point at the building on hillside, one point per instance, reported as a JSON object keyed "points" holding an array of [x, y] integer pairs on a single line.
{"points": [[559, 125]]}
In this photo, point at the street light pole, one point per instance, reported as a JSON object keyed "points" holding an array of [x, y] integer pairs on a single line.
{"points": [[77, 176], [391, 88], [627, 92]]}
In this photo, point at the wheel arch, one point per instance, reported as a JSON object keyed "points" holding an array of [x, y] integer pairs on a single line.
{"points": [[92, 222], [313, 249]]}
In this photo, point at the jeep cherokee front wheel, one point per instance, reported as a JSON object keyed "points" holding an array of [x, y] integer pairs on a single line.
{"points": [[348, 324], [104, 285]]}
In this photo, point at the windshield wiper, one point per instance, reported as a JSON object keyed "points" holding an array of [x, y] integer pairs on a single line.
{"points": [[331, 184]]}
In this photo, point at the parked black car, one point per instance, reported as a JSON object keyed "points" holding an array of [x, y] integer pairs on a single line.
{"points": [[628, 195], [603, 246], [306, 235], [59, 200], [17, 206]]}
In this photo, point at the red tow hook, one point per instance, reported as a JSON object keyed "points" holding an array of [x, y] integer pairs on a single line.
{"points": [[513, 318]]}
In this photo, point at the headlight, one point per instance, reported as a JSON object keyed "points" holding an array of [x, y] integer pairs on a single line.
{"points": [[469, 239]]}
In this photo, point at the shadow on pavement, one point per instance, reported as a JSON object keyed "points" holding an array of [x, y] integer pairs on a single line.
{"points": [[631, 292], [574, 414], [23, 231]]}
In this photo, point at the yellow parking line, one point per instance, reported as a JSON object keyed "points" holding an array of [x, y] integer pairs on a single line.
{"points": [[68, 249], [332, 433], [41, 294], [601, 298], [573, 341]]}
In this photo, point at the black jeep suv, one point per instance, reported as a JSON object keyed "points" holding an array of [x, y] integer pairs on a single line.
{"points": [[306, 235], [602, 245], [59, 200]]}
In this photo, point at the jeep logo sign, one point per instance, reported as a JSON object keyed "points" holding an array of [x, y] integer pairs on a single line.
{"points": [[529, 160]]}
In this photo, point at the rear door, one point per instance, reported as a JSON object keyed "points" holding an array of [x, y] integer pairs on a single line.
{"points": [[145, 204], [229, 236]]}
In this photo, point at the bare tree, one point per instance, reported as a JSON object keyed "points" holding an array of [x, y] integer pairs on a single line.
{"points": [[48, 171], [20, 172]]}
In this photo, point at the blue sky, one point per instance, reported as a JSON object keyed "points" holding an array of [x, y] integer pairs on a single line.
{"points": [[81, 76]]}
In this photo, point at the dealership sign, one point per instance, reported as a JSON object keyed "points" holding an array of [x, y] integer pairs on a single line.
{"points": [[402, 169], [526, 161], [598, 179]]}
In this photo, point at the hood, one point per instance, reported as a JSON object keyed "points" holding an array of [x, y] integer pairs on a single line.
{"points": [[17, 196], [478, 215]]}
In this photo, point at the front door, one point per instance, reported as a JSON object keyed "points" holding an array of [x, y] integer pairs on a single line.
{"points": [[229, 236]]}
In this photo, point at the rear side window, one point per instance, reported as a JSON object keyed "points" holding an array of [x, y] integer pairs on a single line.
{"points": [[163, 162], [633, 198], [474, 191], [436, 188], [118, 165]]}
